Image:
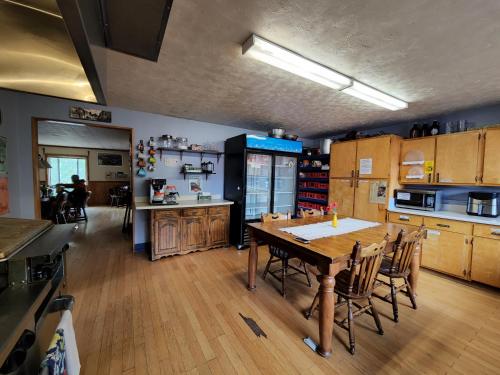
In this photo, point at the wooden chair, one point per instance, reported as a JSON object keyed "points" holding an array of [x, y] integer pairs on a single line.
{"points": [[310, 213], [356, 284], [397, 266], [282, 256]]}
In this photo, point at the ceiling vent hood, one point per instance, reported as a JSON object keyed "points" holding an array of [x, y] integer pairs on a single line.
{"points": [[135, 27]]}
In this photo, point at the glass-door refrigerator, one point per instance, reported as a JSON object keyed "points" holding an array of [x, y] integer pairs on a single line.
{"points": [[260, 176]]}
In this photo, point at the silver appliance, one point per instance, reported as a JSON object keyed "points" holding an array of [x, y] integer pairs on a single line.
{"points": [[157, 190], [482, 204], [424, 200]]}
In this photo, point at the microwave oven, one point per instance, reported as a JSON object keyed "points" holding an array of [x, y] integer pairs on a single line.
{"points": [[425, 200]]}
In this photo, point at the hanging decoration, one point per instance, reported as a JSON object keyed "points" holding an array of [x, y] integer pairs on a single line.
{"points": [[141, 159], [151, 152]]}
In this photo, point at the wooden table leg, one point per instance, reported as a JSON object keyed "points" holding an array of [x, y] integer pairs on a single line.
{"points": [[253, 255], [414, 270], [326, 312]]}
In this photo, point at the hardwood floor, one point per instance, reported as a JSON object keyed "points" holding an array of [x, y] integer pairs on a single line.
{"points": [[181, 315]]}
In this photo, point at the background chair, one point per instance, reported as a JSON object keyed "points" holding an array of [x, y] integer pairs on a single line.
{"points": [[281, 255], [311, 212], [355, 285], [397, 266]]}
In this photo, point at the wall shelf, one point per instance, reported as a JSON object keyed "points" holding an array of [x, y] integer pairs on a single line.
{"points": [[206, 173], [201, 153]]}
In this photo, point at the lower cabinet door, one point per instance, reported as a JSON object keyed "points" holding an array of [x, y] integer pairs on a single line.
{"points": [[218, 230], [364, 209], [485, 266], [167, 236], [194, 233], [447, 252], [342, 192]]}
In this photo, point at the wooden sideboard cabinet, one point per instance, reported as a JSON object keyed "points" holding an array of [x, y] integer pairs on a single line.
{"points": [[183, 230]]}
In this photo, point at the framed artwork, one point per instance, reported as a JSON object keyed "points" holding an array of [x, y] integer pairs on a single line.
{"points": [[114, 160], [194, 184], [89, 114]]}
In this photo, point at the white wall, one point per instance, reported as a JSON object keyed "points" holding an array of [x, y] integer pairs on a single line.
{"points": [[96, 172], [18, 109]]}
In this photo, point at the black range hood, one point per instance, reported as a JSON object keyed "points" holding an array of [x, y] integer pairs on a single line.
{"points": [[135, 27]]}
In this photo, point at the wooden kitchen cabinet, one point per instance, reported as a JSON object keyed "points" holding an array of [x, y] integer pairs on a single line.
{"points": [[341, 190], [447, 252], [183, 230], [375, 152], [343, 159], [363, 208], [193, 233], [485, 265], [415, 154], [457, 157], [491, 161]]}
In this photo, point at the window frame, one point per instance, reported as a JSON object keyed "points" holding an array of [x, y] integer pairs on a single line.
{"points": [[67, 156]]}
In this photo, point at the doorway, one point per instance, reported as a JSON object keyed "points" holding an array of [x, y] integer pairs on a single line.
{"points": [[75, 158]]}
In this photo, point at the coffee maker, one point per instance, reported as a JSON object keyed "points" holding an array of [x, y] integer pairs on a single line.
{"points": [[157, 190]]}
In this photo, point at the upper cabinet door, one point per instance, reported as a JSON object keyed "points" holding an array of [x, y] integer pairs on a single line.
{"points": [[343, 159], [342, 193], [417, 161], [457, 158], [373, 158], [491, 166]]}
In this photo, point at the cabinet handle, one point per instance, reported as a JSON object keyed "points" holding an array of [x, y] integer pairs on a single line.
{"points": [[429, 178], [495, 233], [442, 225], [404, 218], [352, 173], [357, 173], [437, 177]]}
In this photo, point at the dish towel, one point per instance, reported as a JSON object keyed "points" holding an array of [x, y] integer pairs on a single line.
{"points": [[72, 359], [325, 229], [54, 361]]}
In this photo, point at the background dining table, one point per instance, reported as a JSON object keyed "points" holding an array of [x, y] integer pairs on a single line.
{"points": [[329, 254]]}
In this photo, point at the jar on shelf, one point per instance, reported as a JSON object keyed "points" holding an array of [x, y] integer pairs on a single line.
{"points": [[168, 141], [182, 143]]}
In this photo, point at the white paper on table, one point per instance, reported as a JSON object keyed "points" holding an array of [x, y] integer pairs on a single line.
{"points": [[325, 229]]}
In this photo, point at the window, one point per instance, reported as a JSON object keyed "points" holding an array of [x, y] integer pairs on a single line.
{"points": [[63, 167]]}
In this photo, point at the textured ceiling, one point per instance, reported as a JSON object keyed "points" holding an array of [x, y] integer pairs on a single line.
{"points": [[438, 55], [61, 134]]}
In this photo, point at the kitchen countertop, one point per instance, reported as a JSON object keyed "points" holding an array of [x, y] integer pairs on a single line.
{"points": [[182, 204], [450, 215]]}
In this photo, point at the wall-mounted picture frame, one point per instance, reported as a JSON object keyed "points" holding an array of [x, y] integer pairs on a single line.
{"points": [[81, 113], [114, 160], [194, 184]]}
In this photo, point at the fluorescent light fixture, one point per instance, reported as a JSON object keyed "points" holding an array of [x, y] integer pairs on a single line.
{"points": [[280, 57], [273, 54], [64, 123], [369, 94]]}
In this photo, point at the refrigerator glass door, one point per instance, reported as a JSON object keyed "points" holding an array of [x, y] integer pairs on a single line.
{"points": [[258, 185], [285, 182]]}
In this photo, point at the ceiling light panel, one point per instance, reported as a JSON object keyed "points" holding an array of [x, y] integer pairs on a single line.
{"points": [[273, 54], [280, 57], [369, 94]]}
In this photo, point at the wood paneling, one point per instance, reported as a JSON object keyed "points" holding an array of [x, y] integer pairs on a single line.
{"points": [[343, 159], [457, 157], [100, 191], [485, 266], [491, 164], [341, 190]]}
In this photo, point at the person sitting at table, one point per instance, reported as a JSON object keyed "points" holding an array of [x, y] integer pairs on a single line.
{"points": [[77, 196]]}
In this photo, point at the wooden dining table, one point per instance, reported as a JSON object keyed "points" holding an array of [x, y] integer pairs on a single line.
{"points": [[329, 254]]}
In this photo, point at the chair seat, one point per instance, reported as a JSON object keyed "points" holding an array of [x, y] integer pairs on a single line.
{"points": [[385, 268]]}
